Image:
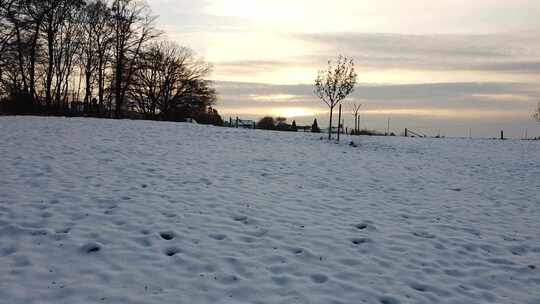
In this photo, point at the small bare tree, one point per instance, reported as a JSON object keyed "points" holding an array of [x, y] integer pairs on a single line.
{"points": [[335, 83], [356, 114], [536, 114]]}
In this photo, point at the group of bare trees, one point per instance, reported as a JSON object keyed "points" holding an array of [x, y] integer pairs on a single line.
{"points": [[102, 57]]}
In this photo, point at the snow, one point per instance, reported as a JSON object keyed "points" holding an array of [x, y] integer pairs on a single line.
{"points": [[103, 211]]}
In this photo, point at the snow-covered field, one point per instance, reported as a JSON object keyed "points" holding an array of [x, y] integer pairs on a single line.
{"points": [[99, 211]]}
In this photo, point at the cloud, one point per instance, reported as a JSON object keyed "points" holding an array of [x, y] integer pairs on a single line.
{"points": [[460, 96], [388, 58], [508, 53]]}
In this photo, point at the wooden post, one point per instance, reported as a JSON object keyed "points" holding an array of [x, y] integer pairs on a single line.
{"points": [[339, 123], [237, 121], [406, 132], [502, 135]]}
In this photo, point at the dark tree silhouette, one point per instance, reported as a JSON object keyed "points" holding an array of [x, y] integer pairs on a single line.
{"points": [[335, 83], [266, 123], [106, 46], [281, 120], [167, 77], [315, 127]]}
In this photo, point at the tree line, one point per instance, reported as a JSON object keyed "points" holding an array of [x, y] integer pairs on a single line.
{"points": [[280, 124], [99, 57]]}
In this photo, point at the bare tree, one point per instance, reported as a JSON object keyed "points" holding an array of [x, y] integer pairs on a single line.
{"points": [[356, 114], [57, 19], [6, 37], [66, 48], [335, 83], [23, 19], [536, 114], [96, 43], [133, 27], [167, 77]]}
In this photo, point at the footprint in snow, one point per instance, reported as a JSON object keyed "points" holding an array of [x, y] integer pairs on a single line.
{"points": [[167, 235], [361, 226], [424, 234], [319, 278], [7, 251], [91, 247], [63, 231], [360, 241], [298, 251], [240, 218], [171, 251], [217, 236], [389, 300]]}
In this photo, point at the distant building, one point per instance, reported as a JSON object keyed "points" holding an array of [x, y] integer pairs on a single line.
{"points": [[246, 124], [240, 123]]}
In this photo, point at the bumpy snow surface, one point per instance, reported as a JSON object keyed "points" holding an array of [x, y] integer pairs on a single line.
{"points": [[99, 211]]}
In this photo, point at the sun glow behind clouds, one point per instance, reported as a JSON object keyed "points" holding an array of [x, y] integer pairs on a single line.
{"points": [[287, 112], [293, 112], [273, 98]]}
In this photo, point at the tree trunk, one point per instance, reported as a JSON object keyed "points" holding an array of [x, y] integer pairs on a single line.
{"points": [[33, 64], [330, 124], [339, 124], [88, 80], [49, 75], [101, 85], [117, 88]]}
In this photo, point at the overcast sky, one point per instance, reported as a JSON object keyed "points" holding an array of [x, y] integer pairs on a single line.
{"points": [[430, 65]]}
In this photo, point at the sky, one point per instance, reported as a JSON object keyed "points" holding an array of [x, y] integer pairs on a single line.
{"points": [[448, 66]]}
